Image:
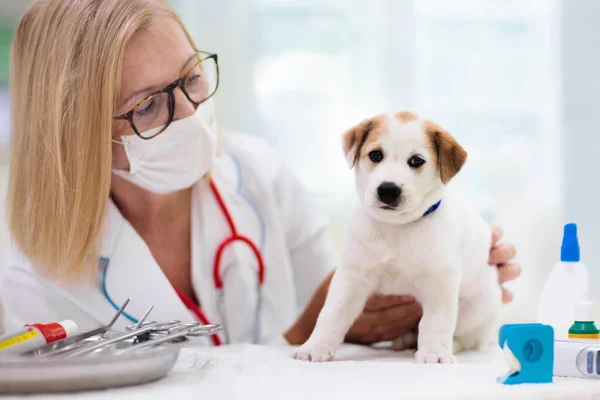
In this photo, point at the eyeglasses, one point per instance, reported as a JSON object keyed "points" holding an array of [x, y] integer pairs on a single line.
{"points": [[153, 114]]}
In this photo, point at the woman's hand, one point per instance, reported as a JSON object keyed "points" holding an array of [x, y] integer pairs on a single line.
{"points": [[383, 318], [500, 257]]}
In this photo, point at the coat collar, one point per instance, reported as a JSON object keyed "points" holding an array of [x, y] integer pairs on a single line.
{"points": [[127, 270]]}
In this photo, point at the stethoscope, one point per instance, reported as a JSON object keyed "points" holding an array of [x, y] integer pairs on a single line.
{"points": [[233, 237], [218, 280]]}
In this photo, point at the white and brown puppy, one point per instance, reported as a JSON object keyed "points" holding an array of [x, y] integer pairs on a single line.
{"points": [[411, 234]]}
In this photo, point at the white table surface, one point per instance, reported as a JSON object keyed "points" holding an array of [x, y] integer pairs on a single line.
{"points": [[255, 372]]}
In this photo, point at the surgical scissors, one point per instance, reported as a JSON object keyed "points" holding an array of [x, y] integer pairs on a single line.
{"points": [[145, 328], [172, 331], [159, 326], [177, 333]]}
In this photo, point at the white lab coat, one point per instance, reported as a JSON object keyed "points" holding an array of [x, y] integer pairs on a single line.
{"points": [[268, 205]]}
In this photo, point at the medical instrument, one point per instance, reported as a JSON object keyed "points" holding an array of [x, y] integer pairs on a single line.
{"points": [[577, 358], [106, 369], [68, 344], [35, 335], [101, 358], [218, 281], [172, 329], [142, 332], [528, 350], [103, 342], [141, 321], [177, 333]]}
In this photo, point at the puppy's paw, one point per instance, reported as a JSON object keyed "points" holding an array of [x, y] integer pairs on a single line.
{"points": [[314, 353], [435, 356]]}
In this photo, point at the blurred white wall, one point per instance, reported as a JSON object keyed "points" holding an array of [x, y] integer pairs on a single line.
{"points": [[581, 127], [4, 240]]}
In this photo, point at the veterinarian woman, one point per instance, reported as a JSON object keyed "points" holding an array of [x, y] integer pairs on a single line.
{"points": [[122, 185]]}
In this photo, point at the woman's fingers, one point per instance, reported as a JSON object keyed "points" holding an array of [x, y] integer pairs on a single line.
{"points": [[497, 234], [366, 322], [385, 324], [506, 296], [508, 272], [392, 333], [384, 332], [502, 254], [391, 314], [379, 302]]}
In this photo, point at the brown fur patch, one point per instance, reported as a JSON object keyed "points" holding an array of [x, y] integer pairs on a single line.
{"points": [[379, 128], [405, 116], [355, 138], [451, 156]]}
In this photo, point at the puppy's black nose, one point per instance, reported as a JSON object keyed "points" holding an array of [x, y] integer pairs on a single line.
{"points": [[389, 193]]}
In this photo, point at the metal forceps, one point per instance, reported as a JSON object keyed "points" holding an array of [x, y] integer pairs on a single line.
{"points": [[158, 326], [176, 329], [178, 333], [144, 329]]}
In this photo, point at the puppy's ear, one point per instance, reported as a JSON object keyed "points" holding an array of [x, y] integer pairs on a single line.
{"points": [[451, 156], [353, 140]]}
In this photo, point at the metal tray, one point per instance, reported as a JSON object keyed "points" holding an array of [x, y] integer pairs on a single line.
{"points": [[105, 369], [100, 358]]}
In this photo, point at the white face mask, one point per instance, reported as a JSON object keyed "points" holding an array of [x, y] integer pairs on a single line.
{"points": [[176, 158]]}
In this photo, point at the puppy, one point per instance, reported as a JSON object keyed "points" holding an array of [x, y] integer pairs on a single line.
{"points": [[411, 234]]}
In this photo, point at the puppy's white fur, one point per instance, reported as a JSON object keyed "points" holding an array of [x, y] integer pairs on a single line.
{"points": [[441, 259]]}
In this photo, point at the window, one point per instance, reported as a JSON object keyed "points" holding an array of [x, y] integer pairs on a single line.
{"points": [[473, 66], [317, 73], [487, 70]]}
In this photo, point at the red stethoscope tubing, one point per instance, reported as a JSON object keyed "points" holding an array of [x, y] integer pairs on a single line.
{"points": [[217, 279]]}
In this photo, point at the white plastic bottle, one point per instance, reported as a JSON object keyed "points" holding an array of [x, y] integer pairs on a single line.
{"points": [[565, 286]]}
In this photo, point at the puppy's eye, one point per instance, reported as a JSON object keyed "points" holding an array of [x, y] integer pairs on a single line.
{"points": [[376, 156], [416, 162]]}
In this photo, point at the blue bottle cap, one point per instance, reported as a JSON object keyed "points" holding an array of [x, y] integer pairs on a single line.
{"points": [[569, 251]]}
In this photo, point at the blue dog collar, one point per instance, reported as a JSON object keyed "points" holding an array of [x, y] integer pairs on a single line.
{"points": [[432, 208]]}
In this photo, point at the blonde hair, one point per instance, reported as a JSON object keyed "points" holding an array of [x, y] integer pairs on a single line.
{"points": [[64, 78]]}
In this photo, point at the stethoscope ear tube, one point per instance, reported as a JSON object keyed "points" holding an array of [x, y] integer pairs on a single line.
{"points": [[257, 313], [217, 269], [222, 309]]}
